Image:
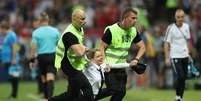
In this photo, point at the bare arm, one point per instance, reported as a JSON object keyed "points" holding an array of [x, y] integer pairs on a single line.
{"points": [[102, 48], [79, 49], [33, 50], [14, 51], [167, 53], [141, 50], [140, 53]]}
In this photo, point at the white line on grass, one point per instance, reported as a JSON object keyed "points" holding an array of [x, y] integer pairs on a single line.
{"points": [[34, 97]]}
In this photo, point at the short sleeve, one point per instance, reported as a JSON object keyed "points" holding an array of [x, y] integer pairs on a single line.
{"points": [[107, 37], [137, 38], [188, 32], [12, 38], [167, 37], [69, 39], [34, 38]]}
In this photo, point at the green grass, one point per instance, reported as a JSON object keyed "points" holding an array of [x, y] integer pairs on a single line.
{"points": [[27, 92]]}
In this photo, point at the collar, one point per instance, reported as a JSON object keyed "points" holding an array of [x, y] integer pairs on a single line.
{"points": [[95, 65]]}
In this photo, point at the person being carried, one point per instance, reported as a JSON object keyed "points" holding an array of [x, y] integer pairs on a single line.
{"points": [[96, 67]]}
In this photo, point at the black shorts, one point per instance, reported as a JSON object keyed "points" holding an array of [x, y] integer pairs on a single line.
{"points": [[46, 63]]}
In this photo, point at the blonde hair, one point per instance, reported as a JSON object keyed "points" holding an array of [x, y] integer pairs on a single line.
{"points": [[91, 53]]}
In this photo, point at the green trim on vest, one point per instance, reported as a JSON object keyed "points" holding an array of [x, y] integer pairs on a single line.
{"points": [[77, 62], [117, 52]]}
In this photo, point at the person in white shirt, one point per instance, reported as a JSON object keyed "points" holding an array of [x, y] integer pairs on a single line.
{"points": [[177, 51], [95, 72]]}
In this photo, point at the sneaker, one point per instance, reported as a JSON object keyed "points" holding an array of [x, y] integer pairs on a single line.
{"points": [[178, 100]]}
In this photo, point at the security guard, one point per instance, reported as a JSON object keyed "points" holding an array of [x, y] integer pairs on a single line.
{"points": [[115, 43], [69, 57]]}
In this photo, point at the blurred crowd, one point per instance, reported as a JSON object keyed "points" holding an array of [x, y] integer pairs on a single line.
{"points": [[153, 18]]}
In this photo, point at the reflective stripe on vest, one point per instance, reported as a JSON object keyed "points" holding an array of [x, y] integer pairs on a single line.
{"points": [[117, 51], [77, 62]]}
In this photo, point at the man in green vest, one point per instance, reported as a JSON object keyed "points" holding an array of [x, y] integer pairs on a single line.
{"points": [[69, 57], [116, 41]]}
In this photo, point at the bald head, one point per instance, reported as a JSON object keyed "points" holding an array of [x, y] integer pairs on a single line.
{"points": [[77, 12], [179, 12], [78, 18], [179, 16]]}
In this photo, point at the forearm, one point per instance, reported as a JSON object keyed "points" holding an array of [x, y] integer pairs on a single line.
{"points": [[102, 48], [167, 50], [14, 52], [32, 51], [79, 49], [141, 50]]}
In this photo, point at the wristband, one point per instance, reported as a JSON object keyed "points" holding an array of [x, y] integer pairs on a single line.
{"points": [[32, 60], [137, 59]]}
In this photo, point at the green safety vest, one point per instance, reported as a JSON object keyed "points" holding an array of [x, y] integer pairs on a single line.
{"points": [[171, 3], [78, 62], [117, 51]]}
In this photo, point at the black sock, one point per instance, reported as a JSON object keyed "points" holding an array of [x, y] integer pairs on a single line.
{"points": [[40, 85], [45, 90], [50, 88], [180, 86], [14, 84]]}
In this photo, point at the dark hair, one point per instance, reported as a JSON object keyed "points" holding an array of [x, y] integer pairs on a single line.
{"points": [[127, 11], [44, 16], [5, 25], [91, 53]]}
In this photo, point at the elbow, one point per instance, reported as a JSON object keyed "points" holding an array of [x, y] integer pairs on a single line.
{"points": [[143, 49]]}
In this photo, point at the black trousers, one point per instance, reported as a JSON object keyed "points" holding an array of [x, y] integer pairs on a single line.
{"points": [[79, 88], [115, 82], [180, 66], [14, 84]]}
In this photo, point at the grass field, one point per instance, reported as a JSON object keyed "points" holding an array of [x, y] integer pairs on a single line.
{"points": [[27, 92]]}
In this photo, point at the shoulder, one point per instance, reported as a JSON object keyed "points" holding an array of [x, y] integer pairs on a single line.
{"points": [[68, 35], [53, 28], [37, 30], [12, 34], [186, 25], [170, 25]]}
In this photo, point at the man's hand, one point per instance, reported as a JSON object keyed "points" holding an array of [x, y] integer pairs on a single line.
{"points": [[32, 62], [106, 67], [134, 62]]}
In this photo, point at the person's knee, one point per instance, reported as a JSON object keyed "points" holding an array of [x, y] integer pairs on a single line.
{"points": [[50, 76]]}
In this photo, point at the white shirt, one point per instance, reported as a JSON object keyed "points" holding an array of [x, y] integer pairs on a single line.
{"points": [[93, 75], [177, 38]]}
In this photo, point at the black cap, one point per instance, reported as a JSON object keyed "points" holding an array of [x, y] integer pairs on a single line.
{"points": [[140, 68]]}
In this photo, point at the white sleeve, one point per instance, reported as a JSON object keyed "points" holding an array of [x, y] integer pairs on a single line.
{"points": [[119, 65], [188, 32], [115, 66], [168, 35]]}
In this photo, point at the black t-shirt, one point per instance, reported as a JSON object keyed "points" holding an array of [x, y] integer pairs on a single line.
{"points": [[107, 37], [68, 39]]}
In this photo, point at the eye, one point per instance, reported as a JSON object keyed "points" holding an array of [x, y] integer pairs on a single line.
{"points": [[134, 18]]}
